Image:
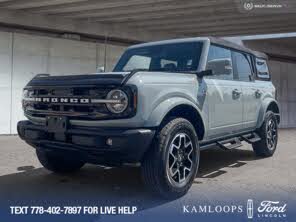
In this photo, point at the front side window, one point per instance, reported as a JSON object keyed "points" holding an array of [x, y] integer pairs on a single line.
{"points": [[262, 69], [173, 57], [243, 66], [220, 62], [138, 62]]}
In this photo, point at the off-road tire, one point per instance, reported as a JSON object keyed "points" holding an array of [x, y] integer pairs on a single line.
{"points": [[57, 162], [154, 165], [262, 147]]}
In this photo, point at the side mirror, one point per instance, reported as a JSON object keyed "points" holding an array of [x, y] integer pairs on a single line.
{"points": [[207, 72], [220, 66], [101, 69]]}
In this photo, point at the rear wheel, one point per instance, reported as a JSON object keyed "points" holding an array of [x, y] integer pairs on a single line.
{"points": [[269, 136], [171, 164], [57, 162]]}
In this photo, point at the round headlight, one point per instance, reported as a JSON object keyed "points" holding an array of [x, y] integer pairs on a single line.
{"points": [[25, 93], [121, 105]]}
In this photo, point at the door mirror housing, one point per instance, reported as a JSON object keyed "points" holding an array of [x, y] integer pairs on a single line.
{"points": [[220, 66], [101, 69], [207, 72]]}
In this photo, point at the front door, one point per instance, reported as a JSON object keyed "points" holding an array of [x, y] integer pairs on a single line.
{"points": [[224, 95]]}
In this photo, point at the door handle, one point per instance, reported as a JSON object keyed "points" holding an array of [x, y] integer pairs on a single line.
{"points": [[236, 94], [258, 93]]}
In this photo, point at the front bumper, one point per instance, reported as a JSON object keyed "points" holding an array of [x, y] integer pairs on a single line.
{"points": [[90, 143]]}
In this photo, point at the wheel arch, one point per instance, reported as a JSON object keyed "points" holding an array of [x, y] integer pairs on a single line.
{"points": [[188, 112], [269, 105], [178, 107]]}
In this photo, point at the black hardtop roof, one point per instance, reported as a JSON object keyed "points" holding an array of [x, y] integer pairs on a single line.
{"points": [[214, 40], [229, 44]]}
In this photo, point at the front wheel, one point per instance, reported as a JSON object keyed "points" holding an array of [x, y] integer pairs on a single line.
{"points": [[57, 162], [269, 136], [170, 166]]}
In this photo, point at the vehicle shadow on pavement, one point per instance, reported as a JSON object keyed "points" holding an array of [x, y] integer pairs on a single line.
{"points": [[213, 162], [103, 185]]}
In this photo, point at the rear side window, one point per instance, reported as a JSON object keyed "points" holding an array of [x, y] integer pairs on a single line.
{"points": [[243, 66], [262, 69]]}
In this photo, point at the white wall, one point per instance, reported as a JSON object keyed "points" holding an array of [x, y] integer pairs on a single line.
{"points": [[5, 81], [29, 58], [284, 79], [23, 56], [112, 55], [71, 57]]}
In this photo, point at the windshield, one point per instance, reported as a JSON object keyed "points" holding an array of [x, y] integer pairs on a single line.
{"points": [[175, 57]]}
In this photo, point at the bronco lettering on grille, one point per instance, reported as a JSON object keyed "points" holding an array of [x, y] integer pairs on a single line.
{"points": [[60, 100]]}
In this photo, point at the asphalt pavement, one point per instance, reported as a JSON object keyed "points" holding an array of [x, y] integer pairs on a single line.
{"points": [[224, 177]]}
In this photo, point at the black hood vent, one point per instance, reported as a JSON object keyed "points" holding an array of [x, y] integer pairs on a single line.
{"points": [[111, 79]]}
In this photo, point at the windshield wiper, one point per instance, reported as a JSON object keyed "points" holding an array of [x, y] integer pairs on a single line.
{"points": [[138, 70], [148, 70]]}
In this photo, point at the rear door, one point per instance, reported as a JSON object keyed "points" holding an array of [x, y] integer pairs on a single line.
{"points": [[244, 72], [224, 101]]}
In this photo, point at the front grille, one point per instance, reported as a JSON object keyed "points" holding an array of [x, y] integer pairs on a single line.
{"points": [[74, 92], [74, 111]]}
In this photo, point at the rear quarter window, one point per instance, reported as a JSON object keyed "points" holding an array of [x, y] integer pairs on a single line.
{"points": [[262, 69]]}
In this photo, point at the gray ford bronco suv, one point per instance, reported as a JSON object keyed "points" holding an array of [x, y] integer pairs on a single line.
{"points": [[163, 103]]}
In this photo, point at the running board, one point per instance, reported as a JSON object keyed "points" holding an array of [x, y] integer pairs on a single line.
{"points": [[251, 138], [229, 144]]}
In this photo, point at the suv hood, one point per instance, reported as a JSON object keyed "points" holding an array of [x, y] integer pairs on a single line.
{"points": [[111, 78]]}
